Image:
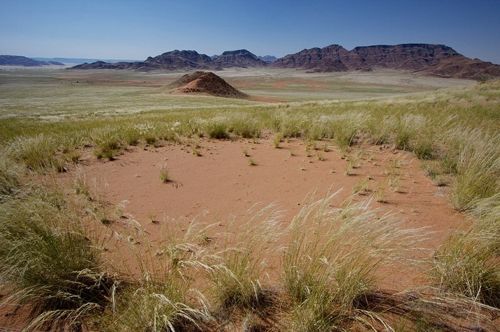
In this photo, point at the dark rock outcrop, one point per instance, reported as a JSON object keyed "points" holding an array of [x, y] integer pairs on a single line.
{"points": [[202, 82], [238, 58]]}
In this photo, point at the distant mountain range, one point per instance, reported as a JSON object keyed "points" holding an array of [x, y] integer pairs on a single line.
{"points": [[184, 60], [17, 60], [431, 59], [77, 61]]}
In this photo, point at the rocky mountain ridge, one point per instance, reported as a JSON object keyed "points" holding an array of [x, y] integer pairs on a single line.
{"points": [[429, 59]]}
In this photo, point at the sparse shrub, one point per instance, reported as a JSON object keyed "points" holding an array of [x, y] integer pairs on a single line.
{"points": [[49, 262]]}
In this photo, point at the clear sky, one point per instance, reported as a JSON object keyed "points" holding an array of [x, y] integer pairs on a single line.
{"points": [[133, 29]]}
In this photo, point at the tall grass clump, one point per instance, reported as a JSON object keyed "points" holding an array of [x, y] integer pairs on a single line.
{"points": [[237, 277], [468, 263], [10, 176], [49, 262], [38, 153], [344, 134], [164, 297], [331, 260], [108, 144], [217, 128], [244, 126], [291, 125], [477, 169], [155, 306]]}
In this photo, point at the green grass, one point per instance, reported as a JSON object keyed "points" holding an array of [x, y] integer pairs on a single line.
{"points": [[10, 176], [324, 273], [467, 263], [237, 278], [49, 261], [154, 306]]}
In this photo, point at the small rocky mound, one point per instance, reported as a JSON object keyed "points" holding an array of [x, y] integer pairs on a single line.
{"points": [[206, 83]]}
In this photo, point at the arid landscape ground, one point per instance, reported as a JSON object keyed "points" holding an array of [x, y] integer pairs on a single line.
{"points": [[314, 201]]}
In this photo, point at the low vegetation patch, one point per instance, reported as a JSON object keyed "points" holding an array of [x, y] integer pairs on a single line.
{"points": [[50, 262]]}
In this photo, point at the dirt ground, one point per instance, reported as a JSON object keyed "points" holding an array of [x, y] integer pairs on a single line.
{"points": [[221, 186]]}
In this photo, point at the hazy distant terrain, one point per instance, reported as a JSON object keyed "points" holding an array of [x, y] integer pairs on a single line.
{"points": [[64, 93]]}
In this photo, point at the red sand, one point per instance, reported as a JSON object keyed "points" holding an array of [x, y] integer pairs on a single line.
{"points": [[221, 185]]}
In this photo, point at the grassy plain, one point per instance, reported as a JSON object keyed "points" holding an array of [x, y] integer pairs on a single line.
{"points": [[49, 119]]}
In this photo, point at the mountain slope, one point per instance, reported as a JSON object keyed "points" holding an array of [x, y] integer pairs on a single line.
{"points": [[429, 59], [17, 60], [238, 58], [184, 60], [426, 58]]}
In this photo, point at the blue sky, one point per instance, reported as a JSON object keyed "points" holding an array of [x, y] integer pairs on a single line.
{"points": [[130, 29]]}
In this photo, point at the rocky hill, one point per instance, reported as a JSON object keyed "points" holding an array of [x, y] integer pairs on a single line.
{"points": [[268, 58], [238, 58], [202, 82], [184, 60], [17, 60], [430, 59]]}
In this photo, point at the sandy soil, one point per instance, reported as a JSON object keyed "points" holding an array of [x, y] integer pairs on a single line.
{"points": [[221, 186]]}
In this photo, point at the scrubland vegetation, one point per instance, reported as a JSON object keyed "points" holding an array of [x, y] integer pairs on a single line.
{"points": [[51, 260]]}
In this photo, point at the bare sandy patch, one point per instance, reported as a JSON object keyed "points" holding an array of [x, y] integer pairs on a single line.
{"points": [[230, 178]]}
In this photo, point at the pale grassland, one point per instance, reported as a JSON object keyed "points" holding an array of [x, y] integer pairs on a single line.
{"points": [[52, 262], [56, 94]]}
